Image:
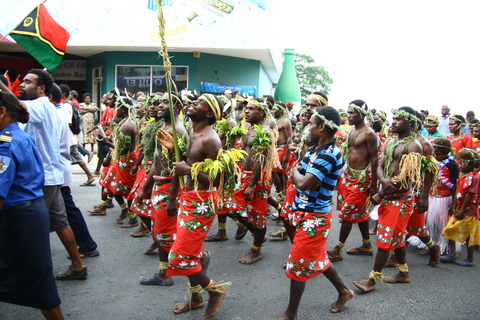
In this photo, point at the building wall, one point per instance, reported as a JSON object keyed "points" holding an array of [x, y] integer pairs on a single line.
{"points": [[207, 68]]}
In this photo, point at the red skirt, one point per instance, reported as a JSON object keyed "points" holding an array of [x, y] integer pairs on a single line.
{"points": [[352, 197], [416, 224], [393, 216], [308, 255], [118, 179], [144, 209], [195, 218], [163, 226], [281, 151], [255, 211]]}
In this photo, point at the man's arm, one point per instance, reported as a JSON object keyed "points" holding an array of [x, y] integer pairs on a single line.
{"points": [[287, 127], [372, 148]]}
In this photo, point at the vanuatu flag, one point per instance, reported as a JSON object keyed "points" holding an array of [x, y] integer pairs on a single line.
{"points": [[42, 37]]}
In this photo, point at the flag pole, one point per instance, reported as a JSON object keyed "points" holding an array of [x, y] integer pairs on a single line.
{"points": [[169, 81]]}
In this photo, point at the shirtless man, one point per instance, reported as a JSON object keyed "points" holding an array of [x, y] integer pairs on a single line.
{"points": [[251, 197], [416, 224], [118, 179], [196, 212], [396, 197], [228, 142], [164, 213], [358, 182], [284, 127]]}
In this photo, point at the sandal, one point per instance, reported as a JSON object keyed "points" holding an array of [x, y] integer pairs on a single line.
{"points": [[334, 258], [72, 274], [154, 280], [359, 252], [241, 232]]}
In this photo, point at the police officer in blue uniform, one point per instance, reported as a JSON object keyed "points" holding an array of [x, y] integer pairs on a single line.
{"points": [[26, 274]]}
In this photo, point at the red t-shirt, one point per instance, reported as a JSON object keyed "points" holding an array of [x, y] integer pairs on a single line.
{"points": [[468, 183], [107, 118]]}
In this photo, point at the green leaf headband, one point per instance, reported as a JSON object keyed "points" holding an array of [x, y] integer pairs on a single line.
{"points": [[323, 102], [261, 106], [462, 124], [466, 162], [213, 103], [121, 103], [283, 110], [407, 116], [363, 112], [153, 98], [327, 122]]}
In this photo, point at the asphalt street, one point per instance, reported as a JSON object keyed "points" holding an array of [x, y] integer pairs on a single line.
{"points": [[258, 291]]}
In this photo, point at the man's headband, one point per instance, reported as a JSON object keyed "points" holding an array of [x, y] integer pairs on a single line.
{"points": [[213, 103], [323, 102], [328, 123], [261, 106], [407, 116], [362, 111]]}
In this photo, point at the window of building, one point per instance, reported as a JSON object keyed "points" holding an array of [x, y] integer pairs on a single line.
{"points": [[149, 78]]}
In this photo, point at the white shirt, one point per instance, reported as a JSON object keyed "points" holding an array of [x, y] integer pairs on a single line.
{"points": [[68, 113], [44, 127]]}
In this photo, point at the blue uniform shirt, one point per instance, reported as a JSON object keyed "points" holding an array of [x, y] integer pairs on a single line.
{"points": [[21, 168], [325, 163]]}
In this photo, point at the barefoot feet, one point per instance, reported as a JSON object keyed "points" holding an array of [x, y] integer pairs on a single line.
{"points": [[401, 277], [337, 306], [392, 261], [195, 302], [365, 285], [100, 211], [152, 248], [251, 257], [434, 255], [141, 231], [122, 215], [214, 303], [131, 222]]}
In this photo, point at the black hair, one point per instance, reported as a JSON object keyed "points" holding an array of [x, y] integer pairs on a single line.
{"points": [[322, 95], [470, 114], [473, 121], [377, 125], [420, 117], [74, 93], [86, 95], [16, 110], [65, 89], [331, 114], [269, 99], [442, 144], [408, 110], [56, 93], [44, 79], [360, 103], [460, 117]]}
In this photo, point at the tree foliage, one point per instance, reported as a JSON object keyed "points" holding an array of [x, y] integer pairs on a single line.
{"points": [[311, 76]]}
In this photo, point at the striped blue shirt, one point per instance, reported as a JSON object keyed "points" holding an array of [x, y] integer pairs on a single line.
{"points": [[325, 163]]}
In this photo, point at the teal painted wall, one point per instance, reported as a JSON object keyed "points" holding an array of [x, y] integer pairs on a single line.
{"points": [[265, 85], [207, 68]]}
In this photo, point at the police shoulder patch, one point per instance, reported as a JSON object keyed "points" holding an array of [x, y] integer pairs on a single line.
{"points": [[6, 137], [4, 163]]}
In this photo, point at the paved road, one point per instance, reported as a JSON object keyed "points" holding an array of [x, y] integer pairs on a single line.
{"points": [[259, 291]]}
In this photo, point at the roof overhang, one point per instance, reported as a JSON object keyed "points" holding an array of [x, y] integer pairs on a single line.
{"points": [[266, 56]]}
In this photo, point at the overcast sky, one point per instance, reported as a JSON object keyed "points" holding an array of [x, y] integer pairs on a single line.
{"points": [[412, 53]]}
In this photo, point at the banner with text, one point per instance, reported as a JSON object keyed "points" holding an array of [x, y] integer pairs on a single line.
{"points": [[221, 87]]}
